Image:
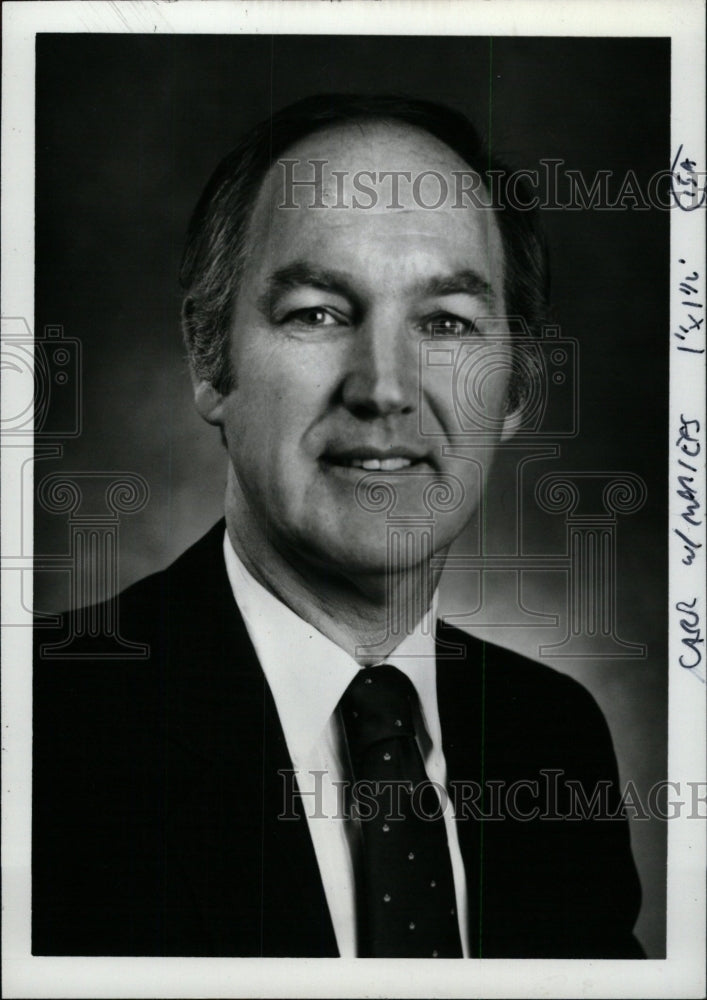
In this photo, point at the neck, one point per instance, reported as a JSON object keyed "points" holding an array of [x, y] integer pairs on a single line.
{"points": [[354, 612]]}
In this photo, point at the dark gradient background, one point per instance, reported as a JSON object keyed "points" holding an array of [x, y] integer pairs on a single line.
{"points": [[128, 130]]}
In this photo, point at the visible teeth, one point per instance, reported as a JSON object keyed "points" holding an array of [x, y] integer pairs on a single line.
{"points": [[384, 464], [390, 464]]}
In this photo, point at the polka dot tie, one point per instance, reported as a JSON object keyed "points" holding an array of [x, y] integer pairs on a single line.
{"points": [[406, 906]]}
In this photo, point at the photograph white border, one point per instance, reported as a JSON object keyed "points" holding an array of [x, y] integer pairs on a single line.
{"points": [[682, 972]]}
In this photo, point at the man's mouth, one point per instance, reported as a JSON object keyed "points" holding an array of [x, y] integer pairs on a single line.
{"points": [[374, 460], [375, 464]]}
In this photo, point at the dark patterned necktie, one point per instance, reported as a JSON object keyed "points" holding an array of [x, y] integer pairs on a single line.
{"points": [[405, 899]]}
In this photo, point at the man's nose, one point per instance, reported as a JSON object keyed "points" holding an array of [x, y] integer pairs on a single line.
{"points": [[382, 375]]}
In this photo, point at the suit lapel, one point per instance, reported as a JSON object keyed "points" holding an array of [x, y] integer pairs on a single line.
{"points": [[252, 878], [461, 703]]}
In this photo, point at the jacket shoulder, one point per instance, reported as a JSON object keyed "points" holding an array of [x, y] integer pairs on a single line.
{"points": [[530, 707], [116, 628], [510, 673]]}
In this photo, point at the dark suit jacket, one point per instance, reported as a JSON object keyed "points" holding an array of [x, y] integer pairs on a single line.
{"points": [[156, 794]]}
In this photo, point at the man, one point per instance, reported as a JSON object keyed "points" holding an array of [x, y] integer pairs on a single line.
{"points": [[261, 784]]}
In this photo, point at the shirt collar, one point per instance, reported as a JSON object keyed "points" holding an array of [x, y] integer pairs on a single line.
{"points": [[308, 673]]}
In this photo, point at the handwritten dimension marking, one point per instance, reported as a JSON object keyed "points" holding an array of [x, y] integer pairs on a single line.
{"points": [[688, 287]]}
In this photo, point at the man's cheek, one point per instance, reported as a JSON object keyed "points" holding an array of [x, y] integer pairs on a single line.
{"points": [[438, 400]]}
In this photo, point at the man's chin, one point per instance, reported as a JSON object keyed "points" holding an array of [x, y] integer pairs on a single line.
{"points": [[380, 551]]}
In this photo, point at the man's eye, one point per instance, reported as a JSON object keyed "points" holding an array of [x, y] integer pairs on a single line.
{"points": [[313, 316], [448, 326]]}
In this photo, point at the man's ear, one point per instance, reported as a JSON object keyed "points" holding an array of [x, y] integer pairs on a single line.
{"points": [[208, 401]]}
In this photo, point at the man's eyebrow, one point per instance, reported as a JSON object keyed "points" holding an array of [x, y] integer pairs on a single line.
{"points": [[466, 282], [300, 274]]}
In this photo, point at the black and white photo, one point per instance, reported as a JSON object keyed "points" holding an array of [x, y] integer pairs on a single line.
{"points": [[360, 519]]}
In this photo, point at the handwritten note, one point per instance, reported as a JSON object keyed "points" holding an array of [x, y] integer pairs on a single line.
{"points": [[685, 182], [691, 635], [694, 316], [688, 445], [689, 448], [688, 337]]}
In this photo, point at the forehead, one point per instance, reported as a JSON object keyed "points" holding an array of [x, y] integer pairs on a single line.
{"points": [[380, 196], [376, 146]]}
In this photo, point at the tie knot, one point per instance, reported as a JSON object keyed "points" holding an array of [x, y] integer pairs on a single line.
{"points": [[377, 705]]}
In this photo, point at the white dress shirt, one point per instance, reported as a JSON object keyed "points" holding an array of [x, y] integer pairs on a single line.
{"points": [[307, 674]]}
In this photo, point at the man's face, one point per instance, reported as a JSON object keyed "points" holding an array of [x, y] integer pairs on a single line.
{"points": [[333, 390]]}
